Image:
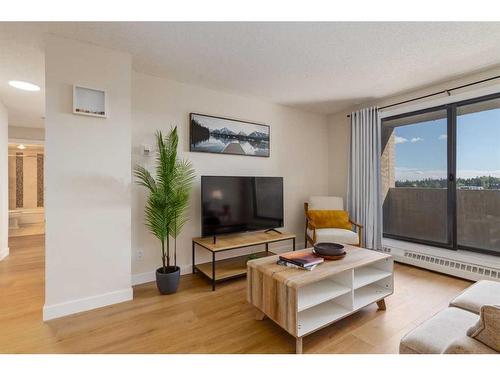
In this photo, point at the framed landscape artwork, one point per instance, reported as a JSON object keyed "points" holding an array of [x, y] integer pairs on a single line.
{"points": [[226, 136]]}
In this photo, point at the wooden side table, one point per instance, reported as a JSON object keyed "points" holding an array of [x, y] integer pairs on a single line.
{"points": [[219, 270]]}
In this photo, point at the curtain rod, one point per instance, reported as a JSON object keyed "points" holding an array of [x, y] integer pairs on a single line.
{"points": [[447, 91]]}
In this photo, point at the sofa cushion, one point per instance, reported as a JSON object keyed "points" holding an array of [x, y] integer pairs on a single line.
{"points": [[435, 334], [484, 292], [344, 236], [329, 219], [467, 345], [487, 328]]}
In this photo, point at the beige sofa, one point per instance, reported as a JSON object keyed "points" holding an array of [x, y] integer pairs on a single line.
{"points": [[471, 324]]}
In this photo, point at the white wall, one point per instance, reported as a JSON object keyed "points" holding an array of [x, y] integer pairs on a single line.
{"points": [[32, 134], [4, 183], [88, 179], [338, 124], [299, 153]]}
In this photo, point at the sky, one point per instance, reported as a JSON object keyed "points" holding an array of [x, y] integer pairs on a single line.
{"points": [[421, 148]]}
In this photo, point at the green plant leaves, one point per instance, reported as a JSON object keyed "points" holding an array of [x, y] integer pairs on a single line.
{"points": [[166, 209]]}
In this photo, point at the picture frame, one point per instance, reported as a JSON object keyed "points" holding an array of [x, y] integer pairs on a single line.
{"points": [[227, 136], [89, 101]]}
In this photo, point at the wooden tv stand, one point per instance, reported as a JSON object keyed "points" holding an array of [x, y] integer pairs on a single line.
{"points": [[229, 268]]}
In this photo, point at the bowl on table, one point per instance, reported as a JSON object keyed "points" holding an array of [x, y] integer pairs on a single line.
{"points": [[329, 250]]}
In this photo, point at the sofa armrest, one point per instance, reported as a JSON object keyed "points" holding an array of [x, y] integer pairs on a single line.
{"points": [[309, 225], [360, 230], [309, 221], [356, 224], [468, 345], [312, 226]]}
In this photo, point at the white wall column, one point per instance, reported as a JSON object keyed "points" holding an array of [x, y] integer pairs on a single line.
{"points": [[87, 179], [4, 183]]}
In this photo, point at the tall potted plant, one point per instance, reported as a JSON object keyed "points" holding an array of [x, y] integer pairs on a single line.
{"points": [[166, 207]]}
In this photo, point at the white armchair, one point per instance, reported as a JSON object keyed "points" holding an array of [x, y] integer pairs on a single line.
{"points": [[338, 235]]}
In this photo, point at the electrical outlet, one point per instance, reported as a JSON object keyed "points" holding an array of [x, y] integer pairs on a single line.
{"points": [[140, 254]]}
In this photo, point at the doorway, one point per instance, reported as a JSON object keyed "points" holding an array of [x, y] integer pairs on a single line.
{"points": [[26, 188]]}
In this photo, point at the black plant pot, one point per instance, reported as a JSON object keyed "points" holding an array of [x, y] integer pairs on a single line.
{"points": [[168, 282]]}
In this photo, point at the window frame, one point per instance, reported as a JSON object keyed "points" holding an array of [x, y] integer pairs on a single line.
{"points": [[451, 116]]}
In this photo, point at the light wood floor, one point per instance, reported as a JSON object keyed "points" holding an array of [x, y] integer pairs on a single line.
{"points": [[197, 320], [27, 230]]}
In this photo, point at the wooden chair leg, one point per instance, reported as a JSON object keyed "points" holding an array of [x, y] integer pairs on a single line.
{"points": [[308, 241], [381, 304]]}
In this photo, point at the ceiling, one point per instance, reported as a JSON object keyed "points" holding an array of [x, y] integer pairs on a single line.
{"points": [[318, 67], [22, 59]]}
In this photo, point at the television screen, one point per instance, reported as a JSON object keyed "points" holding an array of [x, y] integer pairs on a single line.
{"points": [[238, 204]]}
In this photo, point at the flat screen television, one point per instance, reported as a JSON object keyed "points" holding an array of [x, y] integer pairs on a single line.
{"points": [[233, 204]]}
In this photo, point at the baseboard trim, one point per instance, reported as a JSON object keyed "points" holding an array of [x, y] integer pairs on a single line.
{"points": [[150, 276], [143, 278], [4, 253], [84, 304]]}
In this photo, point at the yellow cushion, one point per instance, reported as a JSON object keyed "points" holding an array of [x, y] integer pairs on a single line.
{"points": [[329, 219]]}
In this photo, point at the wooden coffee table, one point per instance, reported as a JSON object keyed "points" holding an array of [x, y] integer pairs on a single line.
{"points": [[302, 302]]}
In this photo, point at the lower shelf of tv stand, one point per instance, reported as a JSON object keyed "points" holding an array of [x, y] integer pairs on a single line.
{"points": [[237, 266], [230, 268]]}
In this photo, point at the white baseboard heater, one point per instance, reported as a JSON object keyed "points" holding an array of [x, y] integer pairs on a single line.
{"points": [[453, 264]]}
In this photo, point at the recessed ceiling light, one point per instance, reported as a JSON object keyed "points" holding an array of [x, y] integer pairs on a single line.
{"points": [[24, 85], [21, 147]]}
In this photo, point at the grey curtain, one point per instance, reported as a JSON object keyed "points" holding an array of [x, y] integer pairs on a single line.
{"points": [[364, 200]]}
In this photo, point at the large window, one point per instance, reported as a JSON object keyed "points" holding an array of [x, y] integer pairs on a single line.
{"points": [[478, 175], [441, 175]]}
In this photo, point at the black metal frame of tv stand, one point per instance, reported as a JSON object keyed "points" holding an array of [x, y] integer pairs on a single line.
{"points": [[212, 278]]}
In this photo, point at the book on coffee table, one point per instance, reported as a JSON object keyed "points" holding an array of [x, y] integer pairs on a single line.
{"points": [[292, 265], [306, 261]]}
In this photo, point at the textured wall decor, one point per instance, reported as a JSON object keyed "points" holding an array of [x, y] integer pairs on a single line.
{"points": [[39, 180], [19, 180], [227, 136]]}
